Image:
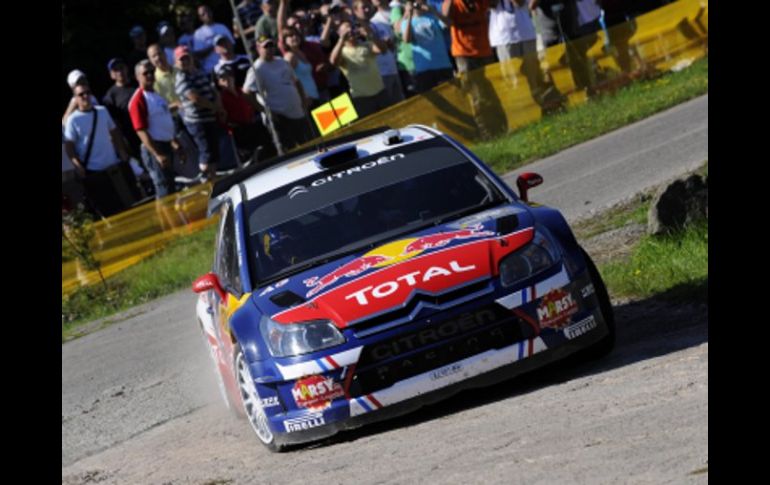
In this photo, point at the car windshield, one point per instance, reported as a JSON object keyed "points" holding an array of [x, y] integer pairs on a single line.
{"points": [[362, 204]]}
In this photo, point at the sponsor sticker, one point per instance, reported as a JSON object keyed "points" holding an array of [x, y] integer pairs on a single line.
{"points": [[587, 290], [577, 329], [302, 423], [316, 392], [556, 308], [269, 402], [274, 287], [445, 371]]}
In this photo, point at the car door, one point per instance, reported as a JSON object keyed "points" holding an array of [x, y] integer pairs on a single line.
{"points": [[228, 272]]}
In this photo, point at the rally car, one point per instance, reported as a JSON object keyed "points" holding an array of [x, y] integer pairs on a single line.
{"points": [[382, 271]]}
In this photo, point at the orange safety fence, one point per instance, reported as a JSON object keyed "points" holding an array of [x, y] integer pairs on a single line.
{"points": [[669, 38]]}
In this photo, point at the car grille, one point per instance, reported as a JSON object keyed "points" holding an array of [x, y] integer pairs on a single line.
{"points": [[402, 315], [433, 345]]}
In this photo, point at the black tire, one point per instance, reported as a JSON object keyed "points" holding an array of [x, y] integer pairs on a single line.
{"points": [[607, 343], [252, 404]]}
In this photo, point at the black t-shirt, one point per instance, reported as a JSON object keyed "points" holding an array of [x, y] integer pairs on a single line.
{"points": [[240, 66], [116, 101]]}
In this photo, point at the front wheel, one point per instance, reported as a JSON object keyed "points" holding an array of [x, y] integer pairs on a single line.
{"points": [[607, 343], [252, 403]]}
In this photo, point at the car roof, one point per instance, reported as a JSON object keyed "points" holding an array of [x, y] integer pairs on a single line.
{"points": [[290, 169]]}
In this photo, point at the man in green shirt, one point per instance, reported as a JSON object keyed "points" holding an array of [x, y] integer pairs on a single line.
{"points": [[267, 25]]}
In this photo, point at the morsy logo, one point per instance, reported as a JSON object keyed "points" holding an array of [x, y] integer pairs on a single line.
{"points": [[316, 392], [556, 308]]}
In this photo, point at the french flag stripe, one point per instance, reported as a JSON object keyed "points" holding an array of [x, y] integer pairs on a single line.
{"points": [[374, 401], [521, 350], [364, 404], [331, 361], [529, 351], [324, 366]]}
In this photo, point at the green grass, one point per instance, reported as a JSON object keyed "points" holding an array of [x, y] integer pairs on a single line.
{"points": [[177, 265], [173, 268], [674, 266], [596, 117]]}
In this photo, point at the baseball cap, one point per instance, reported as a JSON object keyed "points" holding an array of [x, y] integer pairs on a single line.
{"points": [[74, 76], [264, 41], [220, 37], [114, 63], [181, 50], [163, 27], [136, 31]]}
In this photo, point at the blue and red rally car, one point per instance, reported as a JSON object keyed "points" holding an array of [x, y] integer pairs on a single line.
{"points": [[387, 270]]}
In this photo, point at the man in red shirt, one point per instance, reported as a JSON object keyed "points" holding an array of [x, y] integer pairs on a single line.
{"points": [[152, 121], [469, 31], [249, 133]]}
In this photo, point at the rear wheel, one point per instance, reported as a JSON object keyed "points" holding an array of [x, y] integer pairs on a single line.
{"points": [[252, 403], [607, 343]]}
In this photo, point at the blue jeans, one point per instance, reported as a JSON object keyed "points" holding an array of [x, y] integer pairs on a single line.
{"points": [[206, 137], [162, 178]]}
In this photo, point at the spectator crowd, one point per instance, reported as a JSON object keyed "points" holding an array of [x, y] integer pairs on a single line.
{"points": [[187, 92]]}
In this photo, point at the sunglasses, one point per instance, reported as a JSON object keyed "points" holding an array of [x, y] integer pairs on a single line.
{"points": [[148, 73], [83, 94]]}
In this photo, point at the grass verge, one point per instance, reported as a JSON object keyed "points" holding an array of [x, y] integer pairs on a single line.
{"points": [[675, 265], [596, 117], [171, 269], [180, 262]]}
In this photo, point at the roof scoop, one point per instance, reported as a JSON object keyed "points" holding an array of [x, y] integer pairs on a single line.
{"points": [[337, 156]]}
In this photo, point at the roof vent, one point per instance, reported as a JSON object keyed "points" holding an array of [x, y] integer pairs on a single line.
{"points": [[391, 137], [337, 156]]}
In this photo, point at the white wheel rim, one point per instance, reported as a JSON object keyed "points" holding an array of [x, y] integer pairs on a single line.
{"points": [[252, 402]]}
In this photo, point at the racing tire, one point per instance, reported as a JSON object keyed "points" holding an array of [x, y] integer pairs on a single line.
{"points": [[607, 343], [252, 403]]}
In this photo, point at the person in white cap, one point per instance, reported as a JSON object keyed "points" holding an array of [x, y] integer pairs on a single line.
{"points": [[76, 77], [167, 39]]}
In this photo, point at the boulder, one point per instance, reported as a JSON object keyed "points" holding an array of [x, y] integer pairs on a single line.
{"points": [[681, 202]]}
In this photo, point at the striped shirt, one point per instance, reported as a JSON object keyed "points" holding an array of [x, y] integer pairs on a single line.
{"points": [[200, 83]]}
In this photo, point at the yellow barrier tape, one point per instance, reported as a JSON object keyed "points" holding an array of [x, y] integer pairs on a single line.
{"points": [[668, 38]]}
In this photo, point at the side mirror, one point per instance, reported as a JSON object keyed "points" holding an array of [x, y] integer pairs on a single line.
{"points": [[207, 282], [526, 181]]}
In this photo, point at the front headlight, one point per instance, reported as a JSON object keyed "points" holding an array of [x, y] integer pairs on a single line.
{"points": [[299, 338], [533, 258]]}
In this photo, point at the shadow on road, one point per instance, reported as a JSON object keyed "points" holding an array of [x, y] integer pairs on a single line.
{"points": [[646, 329]]}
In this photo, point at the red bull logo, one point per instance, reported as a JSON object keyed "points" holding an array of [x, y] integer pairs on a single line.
{"points": [[392, 253], [348, 270], [443, 238]]}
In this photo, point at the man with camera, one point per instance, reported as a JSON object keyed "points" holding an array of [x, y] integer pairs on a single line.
{"points": [[421, 28]]}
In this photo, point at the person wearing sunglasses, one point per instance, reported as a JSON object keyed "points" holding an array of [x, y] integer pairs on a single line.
{"points": [[94, 145], [153, 123]]}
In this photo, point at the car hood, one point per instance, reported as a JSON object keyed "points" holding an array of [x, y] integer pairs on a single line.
{"points": [[428, 262]]}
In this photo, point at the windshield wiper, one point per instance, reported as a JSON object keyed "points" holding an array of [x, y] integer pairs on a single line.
{"points": [[459, 214]]}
